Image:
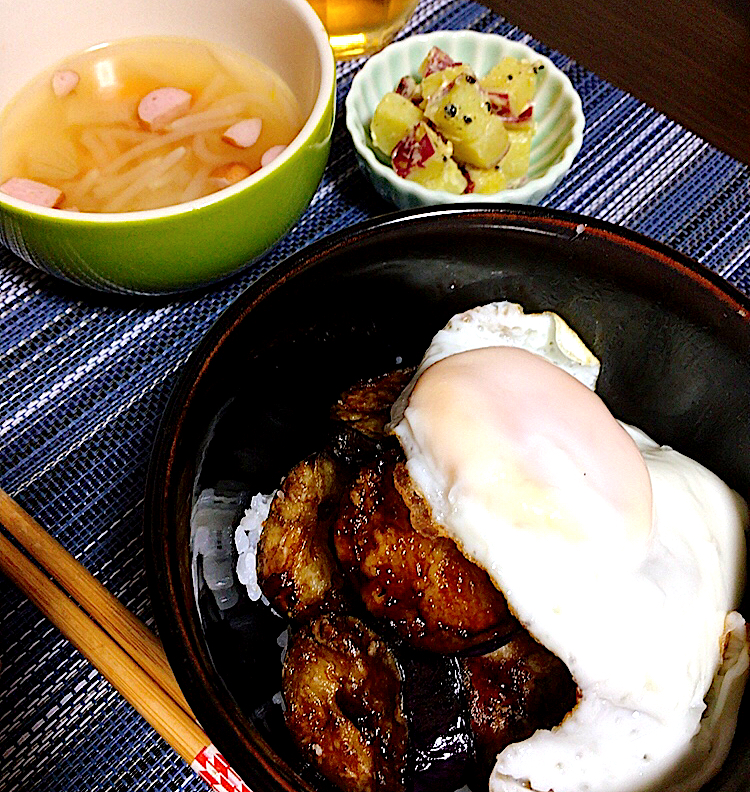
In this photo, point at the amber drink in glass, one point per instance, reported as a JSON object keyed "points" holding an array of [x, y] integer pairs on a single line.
{"points": [[361, 27]]}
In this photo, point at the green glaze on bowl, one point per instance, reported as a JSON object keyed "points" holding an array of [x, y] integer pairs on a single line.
{"points": [[181, 247], [161, 252], [557, 112]]}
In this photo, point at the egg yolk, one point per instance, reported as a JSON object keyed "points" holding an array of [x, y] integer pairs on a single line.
{"points": [[505, 429]]}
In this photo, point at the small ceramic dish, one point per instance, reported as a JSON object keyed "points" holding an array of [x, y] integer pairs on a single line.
{"points": [[557, 112], [192, 244]]}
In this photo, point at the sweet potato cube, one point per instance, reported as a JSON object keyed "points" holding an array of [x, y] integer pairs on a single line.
{"points": [[440, 79], [515, 163], [462, 114], [394, 117], [423, 157], [488, 180], [515, 77]]}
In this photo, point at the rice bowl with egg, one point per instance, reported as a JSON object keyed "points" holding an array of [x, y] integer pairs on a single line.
{"points": [[580, 520], [670, 365]]}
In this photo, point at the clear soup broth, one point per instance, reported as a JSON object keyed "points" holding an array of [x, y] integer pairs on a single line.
{"points": [[89, 142]]}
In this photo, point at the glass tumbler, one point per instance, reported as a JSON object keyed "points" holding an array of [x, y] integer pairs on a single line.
{"points": [[361, 27]]}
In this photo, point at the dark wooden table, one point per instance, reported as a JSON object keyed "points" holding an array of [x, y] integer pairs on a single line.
{"points": [[690, 59]]}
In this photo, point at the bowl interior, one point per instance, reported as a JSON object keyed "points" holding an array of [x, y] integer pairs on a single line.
{"points": [[39, 33], [675, 349]]}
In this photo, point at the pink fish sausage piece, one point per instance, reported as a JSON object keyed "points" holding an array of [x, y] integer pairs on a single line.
{"points": [[159, 107], [64, 81], [244, 133], [33, 192], [271, 155]]}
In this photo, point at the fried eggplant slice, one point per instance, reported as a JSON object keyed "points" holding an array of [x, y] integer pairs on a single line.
{"points": [[512, 692], [297, 570], [366, 406], [441, 743], [360, 415], [342, 687], [420, 585]]}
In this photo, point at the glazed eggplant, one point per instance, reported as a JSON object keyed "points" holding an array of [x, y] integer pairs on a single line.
{"points": [[297, 570], [460, 680], [342, 687], [441, 744], [420, 586], [511, 692], [366, 406], [359, 417]]}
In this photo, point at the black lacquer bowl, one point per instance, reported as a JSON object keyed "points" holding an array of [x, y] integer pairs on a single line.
{"points": [[673, 338]]}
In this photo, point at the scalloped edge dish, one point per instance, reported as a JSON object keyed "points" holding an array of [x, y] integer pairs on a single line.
{"points": [[557, 110]]}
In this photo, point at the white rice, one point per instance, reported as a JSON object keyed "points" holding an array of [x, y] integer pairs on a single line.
{"points": [[278, 699], [246, 538]]}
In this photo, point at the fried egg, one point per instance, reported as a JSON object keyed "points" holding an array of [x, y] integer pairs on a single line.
{"points": [[623, 557]]}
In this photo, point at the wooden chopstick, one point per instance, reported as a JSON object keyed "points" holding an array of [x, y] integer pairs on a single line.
{"points": [[146, 693], [114, 663], [126, 628]]}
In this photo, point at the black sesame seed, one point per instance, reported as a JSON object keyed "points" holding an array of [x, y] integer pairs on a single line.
{"points": [[510, 76], [488, 106], [445, 158], [468, 119], [451, 110], [541, 66], [470, 79]]}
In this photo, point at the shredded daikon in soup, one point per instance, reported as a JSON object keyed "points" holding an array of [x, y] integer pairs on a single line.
{"points": [[211, 114]]}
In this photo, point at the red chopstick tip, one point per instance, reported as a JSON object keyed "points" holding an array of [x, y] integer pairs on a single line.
{"points": [[214, 769]]}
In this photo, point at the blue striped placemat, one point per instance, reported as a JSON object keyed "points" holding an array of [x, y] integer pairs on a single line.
{"points": [[84, 379]]}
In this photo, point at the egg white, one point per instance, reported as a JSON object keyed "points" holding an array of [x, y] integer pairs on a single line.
{"points": [[506, 324], [643, 623]]}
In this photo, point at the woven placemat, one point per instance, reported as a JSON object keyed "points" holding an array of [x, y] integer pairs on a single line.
{"points": [[84, 379]]}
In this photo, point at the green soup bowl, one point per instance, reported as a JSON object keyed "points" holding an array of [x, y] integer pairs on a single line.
{"points": [[192, 244]]}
